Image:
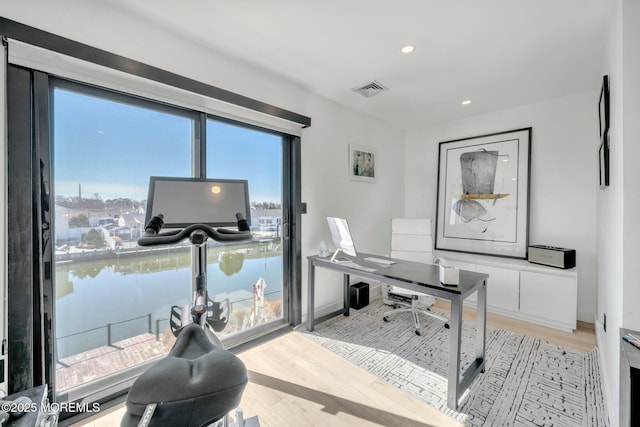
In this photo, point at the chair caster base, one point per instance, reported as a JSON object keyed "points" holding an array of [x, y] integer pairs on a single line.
{"points": [[446, 326], [418, 332], [385, 318]]}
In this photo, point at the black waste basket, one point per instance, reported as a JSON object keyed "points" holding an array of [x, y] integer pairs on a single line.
{"points": [[359, 295]]}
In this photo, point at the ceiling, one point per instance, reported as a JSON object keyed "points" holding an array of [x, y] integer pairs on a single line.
{"points": [[497, 53]]}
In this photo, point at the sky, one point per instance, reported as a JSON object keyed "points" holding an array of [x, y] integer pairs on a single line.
{"points": [[112, 149]]}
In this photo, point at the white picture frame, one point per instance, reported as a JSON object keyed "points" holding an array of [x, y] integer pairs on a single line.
{"points": [[362, 163]]}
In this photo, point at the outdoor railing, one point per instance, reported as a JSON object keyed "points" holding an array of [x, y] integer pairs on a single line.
{"points": [[95, 339]]}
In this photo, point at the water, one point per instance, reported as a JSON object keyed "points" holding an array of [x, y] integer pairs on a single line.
{"points": [[91, 294]]}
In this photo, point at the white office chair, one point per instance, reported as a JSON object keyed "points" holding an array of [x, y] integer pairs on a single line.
{"points": [[411, 240]]}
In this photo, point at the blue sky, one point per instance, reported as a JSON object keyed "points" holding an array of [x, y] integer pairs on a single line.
{"points": [[111, 149]]}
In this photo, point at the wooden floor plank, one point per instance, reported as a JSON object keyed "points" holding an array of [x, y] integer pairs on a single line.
{"points": [[322, 389], [583, 338]]}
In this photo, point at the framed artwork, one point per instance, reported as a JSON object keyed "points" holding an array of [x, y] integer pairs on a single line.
{"points": [[603, 106], [483, 194], [603, 115], [362, 163]]}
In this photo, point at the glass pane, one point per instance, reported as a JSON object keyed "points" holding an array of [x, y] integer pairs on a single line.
{"points": [[249, 275], [113, 298]]}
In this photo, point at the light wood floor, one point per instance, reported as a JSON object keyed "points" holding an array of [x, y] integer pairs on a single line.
{"points": [[295, 382], [583, 338]]}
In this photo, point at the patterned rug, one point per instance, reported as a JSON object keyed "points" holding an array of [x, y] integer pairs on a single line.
{"points": [[527, 381]]}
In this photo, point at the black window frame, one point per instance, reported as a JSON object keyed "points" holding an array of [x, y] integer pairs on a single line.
{"points": [[31, 226]]}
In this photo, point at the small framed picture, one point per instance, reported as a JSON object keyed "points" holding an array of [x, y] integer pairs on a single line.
{"points": [[362, 163]]}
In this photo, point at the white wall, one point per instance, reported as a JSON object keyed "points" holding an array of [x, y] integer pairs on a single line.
{"points": [[564, 175], [327, 189], [610, 205], [631, 172], [325, 184], [618, 206]]}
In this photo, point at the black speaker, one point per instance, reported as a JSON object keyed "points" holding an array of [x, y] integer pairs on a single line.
{"points": [[359, 295]]}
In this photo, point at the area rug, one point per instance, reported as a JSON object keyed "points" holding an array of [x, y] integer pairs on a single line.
{"points": [[527, 381]]}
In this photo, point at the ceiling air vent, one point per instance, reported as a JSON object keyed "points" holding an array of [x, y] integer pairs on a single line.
{"points": [[370, 89]]}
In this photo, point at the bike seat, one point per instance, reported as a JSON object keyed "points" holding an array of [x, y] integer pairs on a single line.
{"points": [[197, 383]]}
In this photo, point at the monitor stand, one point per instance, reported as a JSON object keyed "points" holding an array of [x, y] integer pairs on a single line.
{"points": [[335, 254]]}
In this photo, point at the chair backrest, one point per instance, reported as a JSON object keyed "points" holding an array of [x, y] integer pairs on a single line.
{"points": [[411, 239]]}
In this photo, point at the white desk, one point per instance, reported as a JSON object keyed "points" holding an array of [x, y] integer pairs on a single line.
{"points": [[423, 278]]}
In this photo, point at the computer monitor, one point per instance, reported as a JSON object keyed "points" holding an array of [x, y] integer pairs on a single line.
{"points": [[186, 201], [341, 236]]}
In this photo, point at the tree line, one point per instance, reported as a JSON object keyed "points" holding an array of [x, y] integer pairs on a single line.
{"points": [[95, 202]]}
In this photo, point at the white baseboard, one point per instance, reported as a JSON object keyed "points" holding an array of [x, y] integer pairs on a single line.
{"points": [[587, 317]]}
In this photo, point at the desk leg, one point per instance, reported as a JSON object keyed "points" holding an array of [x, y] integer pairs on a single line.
{"points": [[481, 322], [455, 332], [347, 305], [310, 297]]}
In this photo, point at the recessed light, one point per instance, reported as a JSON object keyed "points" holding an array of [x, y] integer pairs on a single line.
{"points": [[466, 102], [407, 49]]}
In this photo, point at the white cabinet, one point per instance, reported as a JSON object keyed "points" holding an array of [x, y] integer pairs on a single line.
{"points": [[502, 288], [544, 295], [549, 297]]}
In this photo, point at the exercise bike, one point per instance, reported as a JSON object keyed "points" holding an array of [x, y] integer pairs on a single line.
{"points": [[198, 383]]}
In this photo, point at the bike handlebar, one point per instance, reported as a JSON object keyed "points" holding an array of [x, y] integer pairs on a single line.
{"points": [[152, 235]]}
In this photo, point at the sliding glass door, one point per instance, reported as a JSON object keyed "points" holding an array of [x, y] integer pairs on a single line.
{"points": [[112, 298], [251, 275]]}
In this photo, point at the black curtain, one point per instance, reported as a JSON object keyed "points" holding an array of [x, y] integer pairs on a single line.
{"points": [[28, 227]]}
